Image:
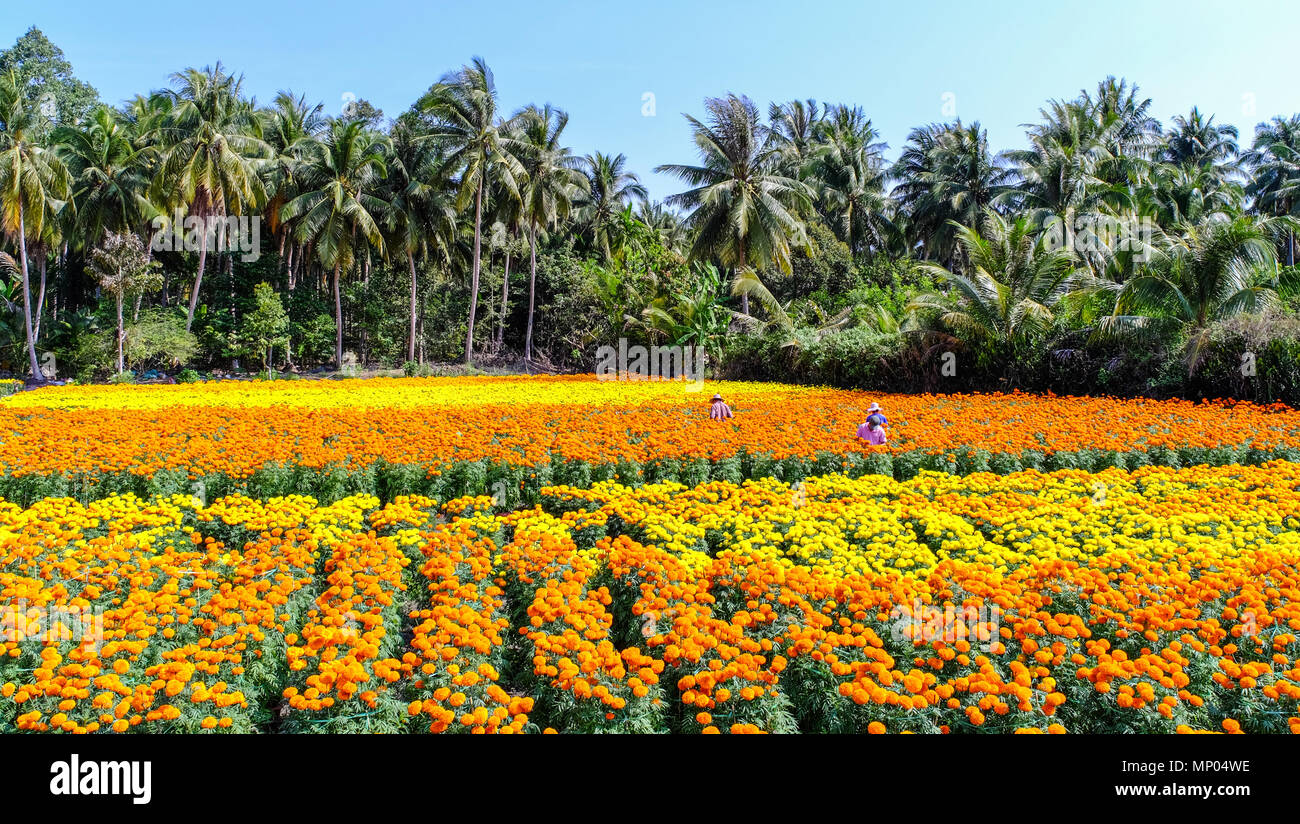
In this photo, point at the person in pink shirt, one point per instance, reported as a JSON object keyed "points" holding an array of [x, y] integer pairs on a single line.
{"points": [[873, 432], [718, 409]]}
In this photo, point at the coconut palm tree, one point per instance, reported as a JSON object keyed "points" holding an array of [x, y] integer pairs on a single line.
{"points": [[462, 112], [947, 176], [609, 189], [744, 213], [210, 152], [847, 169], [1274, 161], [1015, 280], [34, 185], [110, 175], [505, 217], [1178, 194], [1124, 121], [916, 173], [421, 213], [289, 128], [1063, 175], [1196, 141], [1204, 272], [792, 131], [554, 183], [666, 223], [341, 178]]}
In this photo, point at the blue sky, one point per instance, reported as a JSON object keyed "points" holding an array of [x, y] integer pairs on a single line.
{"points": [[998, 61]]}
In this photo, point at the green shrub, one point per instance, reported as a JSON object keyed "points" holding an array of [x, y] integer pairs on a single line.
{"points": [[1254, 357], [159, 338], [313, 339]]}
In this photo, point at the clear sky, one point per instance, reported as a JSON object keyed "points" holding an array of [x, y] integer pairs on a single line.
{"points": [[906, 63]]}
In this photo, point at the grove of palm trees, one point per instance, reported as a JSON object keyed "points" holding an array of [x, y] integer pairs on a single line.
{"points": [[1111, 254]]}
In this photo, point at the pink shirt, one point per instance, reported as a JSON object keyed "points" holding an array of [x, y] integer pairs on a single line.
{"points": [[719, 411], [875, 437]]}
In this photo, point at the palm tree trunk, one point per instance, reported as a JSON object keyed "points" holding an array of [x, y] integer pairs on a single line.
{"points": [[198, 281], [410, 346], [121, 365], [230, 279], [40, 300], [532, 291], [289, 267], [338, 317], [166, 279], [204, 210], [505, 297], [744, 297], [473, 293], [27, 298]]}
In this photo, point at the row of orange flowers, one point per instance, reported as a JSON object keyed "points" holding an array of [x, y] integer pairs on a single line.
{"points": [[539, 424]]}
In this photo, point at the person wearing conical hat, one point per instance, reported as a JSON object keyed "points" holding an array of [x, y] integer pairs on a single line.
{"points": [[872, 430], [874, 411], [718, 409]]}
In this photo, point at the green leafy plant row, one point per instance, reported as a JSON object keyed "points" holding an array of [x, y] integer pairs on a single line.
{"points": [[512, 485]]}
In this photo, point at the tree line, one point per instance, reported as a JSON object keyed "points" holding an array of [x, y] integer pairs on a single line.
{"points": [[792, 228]]}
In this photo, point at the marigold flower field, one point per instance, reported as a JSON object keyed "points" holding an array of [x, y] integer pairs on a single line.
{"points": [[564, 555], [454, 436]]}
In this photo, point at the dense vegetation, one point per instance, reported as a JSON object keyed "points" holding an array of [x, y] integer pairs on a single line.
{"points": [[1113, 254]]}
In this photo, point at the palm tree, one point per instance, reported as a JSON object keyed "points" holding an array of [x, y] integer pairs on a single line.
{"points": [[421, 205], [210, 152], [1177, 194], [792, 131], [289, 128], [1124, 120], [1015, 281], [850, 175], [505, 216], [1196, 141], [462, 108], [110, 175], [34, 184], [947, 176], [553, 183], [666, 223], [1274, 160], [1206, 272], [1063, 176], [609, 189], [744, 213], [916, 173], [339, 203]]}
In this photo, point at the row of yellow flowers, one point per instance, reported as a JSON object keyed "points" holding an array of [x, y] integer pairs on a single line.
{"points": [[1156, 599]]}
